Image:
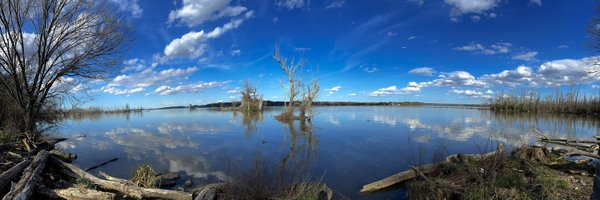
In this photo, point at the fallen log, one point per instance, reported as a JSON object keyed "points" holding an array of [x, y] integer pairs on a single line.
{"points": [[9, 174], [120, 180], [581, 153], [133, 191], [425, 169], [569, 141], [27, 184], [73, 193], [208, 192]]}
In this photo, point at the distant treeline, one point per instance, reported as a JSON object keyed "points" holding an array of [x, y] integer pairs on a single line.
{"points": [[325, 103], [97, 110]]}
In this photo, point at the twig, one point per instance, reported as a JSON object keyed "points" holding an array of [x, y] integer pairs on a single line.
{"points": [[420, 174], [102, 164], [538, 131]]}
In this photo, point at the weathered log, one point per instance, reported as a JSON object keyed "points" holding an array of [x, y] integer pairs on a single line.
{"points": [[9, 174], [136, 192], [14, 154], [410, 174], [73, 193], [67, 157], [208, 192], [571, 140], [111, 178], [580, 153], [25, 187]]}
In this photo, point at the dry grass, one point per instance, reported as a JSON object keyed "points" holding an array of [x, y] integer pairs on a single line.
{"points": [[264, 182], [145, 176]]}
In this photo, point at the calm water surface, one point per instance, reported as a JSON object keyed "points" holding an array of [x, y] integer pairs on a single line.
{"points": [[347, 146]]}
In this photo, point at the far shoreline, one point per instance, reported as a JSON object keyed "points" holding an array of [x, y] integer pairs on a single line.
{"points": [[335, 104]]}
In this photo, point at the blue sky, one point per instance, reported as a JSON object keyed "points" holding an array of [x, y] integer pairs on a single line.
{"points": [[448, 51]]}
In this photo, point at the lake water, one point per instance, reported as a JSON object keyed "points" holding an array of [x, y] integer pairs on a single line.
{"points": [[346, 146]]}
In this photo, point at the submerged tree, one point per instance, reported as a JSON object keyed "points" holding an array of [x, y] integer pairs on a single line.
{"points": [[295, 85], [50, 47], [290, 70], [251, 100], [309, 91]]}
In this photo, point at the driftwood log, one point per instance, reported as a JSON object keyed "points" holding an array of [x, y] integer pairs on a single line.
{"points": [[111, 178], [26, 186], [208, 192], [9, 174], [425, 169], [73, 193], [133, 191], [67, 157]]}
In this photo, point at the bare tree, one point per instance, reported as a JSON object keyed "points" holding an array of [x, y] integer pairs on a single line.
{"points": [[49, 47], [310, 94], [290, 70], [309, 91]]}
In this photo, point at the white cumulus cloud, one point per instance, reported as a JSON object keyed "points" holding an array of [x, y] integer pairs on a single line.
{"points": [[196, 12], [193, 44]]}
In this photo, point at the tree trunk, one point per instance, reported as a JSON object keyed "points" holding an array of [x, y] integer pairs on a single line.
{"points": [[27, 184]]}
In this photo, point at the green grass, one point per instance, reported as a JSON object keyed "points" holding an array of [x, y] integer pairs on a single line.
{"points": [[511, 180]]}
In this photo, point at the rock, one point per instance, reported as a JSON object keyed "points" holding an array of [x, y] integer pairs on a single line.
{"points": [[168, 179], [188, 183]]}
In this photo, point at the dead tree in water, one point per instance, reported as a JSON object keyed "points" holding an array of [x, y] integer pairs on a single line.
{"points": [[308, 98], [309, 94], [251, 100], [290, 70]]}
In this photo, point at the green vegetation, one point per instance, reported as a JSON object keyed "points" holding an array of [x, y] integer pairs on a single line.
{"points": [[145, 176], [570, 102]]}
